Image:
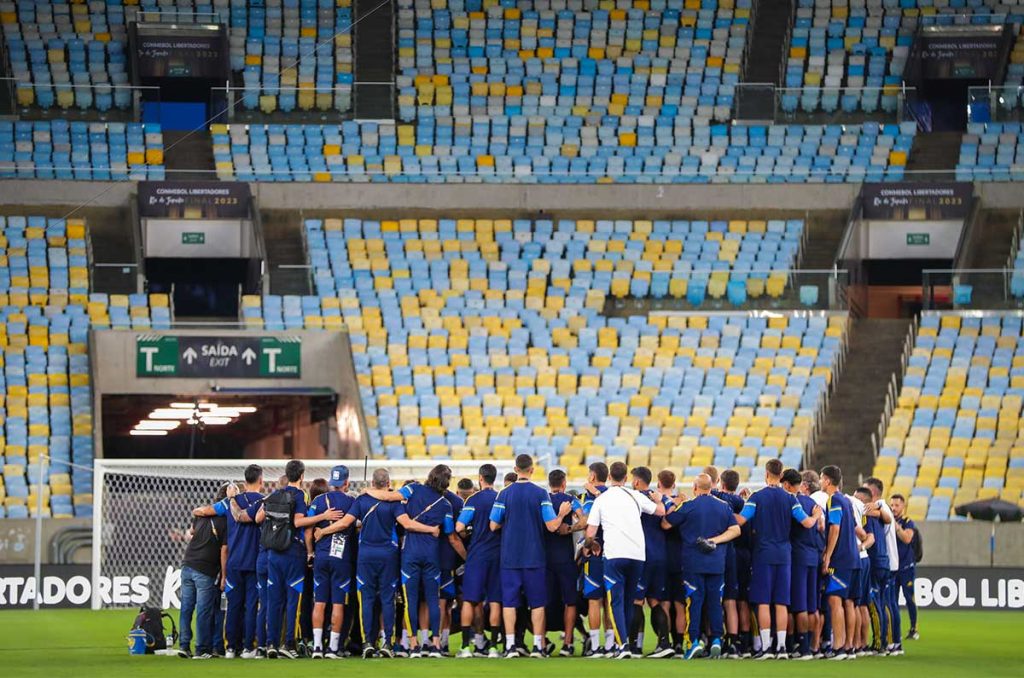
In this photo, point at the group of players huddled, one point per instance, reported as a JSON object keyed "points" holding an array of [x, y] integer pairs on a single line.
{"points": [[795, 570]]}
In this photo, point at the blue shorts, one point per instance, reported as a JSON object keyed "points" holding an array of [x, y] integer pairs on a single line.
{"points": [[332, 579], [654, 580], [769, 584], [517, 583], [841, 583], [449, 585], [803, 590], [742, 574], [732, 582], [481, 582], [863, 577], [675, 590], [562, 580], [593, 578]]}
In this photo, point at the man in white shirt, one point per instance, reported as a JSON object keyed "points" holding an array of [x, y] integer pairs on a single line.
{"points": [[618, 510], [882, 511]]}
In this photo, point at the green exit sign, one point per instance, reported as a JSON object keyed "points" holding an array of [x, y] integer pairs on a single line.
{"points": [[193, 238], [156, 356], [919, 238]]}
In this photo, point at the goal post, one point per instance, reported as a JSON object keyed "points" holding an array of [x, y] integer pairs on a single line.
{"points": [[142, 509]]}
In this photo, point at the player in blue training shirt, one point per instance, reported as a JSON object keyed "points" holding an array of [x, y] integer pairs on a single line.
{"points": [[333, 564], [421, 572], [878, 577], [240, 581], [560, 549], [522, 511], [842, 557], [377, 565], [803, 599], [451, 581], [905, 533], [286, 570], [674, 589], [737, 569], [481, 582], [704, 523], [654, 582], [592, 575], [770, 511]]}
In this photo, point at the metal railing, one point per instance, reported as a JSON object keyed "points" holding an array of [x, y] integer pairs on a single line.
{"points": [[982, 289], [826, 105], [255, 102], [78, 101]]}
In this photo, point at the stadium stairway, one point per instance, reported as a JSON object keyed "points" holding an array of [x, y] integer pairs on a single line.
{"points": [[188, 155], [285, 247], [768, 42], [824, 232], [933, 157], [988, 247], [374, 60], [873, 356]]}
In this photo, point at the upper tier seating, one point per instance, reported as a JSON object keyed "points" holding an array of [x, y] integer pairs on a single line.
{"points": [[992, 152], [544, 57], [474, 338], [291, 54], [850, 54], [956, 434], [57, 149], [45, 398], [574, 149]]}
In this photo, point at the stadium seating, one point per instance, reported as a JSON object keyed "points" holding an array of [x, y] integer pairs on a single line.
{"points": [[850, 56], [989, 152], [956, 433], [573, 149], [58, 149], [291, 55], [45, 399], [476, 337], [543, 57]]}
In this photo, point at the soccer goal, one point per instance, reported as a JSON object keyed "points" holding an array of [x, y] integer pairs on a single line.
{"points": [[142, 510]]}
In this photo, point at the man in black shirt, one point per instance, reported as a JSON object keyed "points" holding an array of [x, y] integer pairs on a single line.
{"points": [[201, 572]]}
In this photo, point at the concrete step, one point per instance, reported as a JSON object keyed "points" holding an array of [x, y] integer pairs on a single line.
{"points": [[875, 348], [374, 60], [285, 250], [933, 156], [188, 155], [768, 41]]}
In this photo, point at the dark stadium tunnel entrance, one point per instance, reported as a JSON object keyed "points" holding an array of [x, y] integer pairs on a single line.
{"points": [[221, 427], [202, 287]]}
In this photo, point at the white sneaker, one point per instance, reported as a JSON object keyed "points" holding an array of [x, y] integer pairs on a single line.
{"points": [[249, 654], [465, 653], [492, 653], [230, 654]]}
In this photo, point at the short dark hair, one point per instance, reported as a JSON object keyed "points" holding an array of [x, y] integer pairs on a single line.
{"points": [[600, 471], [773, 467], [643, 473], [617, 471], [791, 477], [556, 478], [489, 473], [439, 478], [317, 487], [666, 478], [465, 484], [730, 479], [834, 474], [524, 462], [253, 472], [510, 477], [863, 489], [898, 496], [875, 483], [294, 470]]}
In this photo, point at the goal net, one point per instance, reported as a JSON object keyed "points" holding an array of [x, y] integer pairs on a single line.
{"points": [[143, 510]]}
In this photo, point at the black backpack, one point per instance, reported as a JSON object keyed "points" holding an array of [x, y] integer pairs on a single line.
{"points": [[151, 620], [917, 545], [279, 521]]}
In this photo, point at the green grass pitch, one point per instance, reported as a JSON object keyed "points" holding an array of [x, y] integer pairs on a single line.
{"points": [[82, 644]]}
